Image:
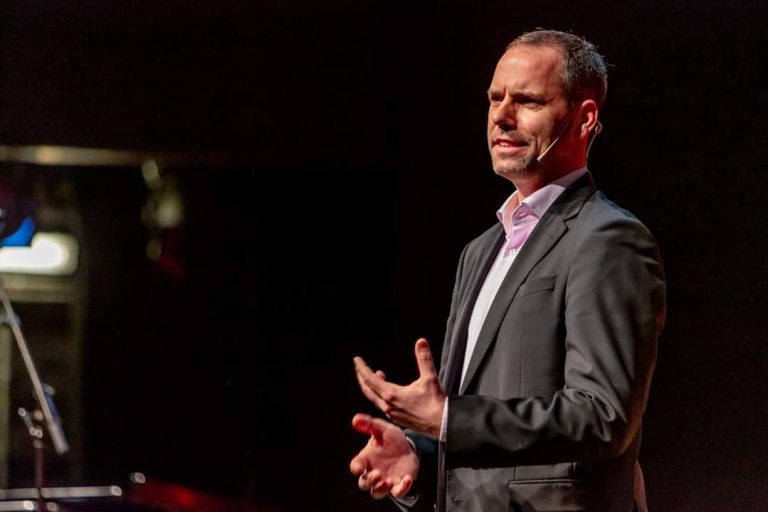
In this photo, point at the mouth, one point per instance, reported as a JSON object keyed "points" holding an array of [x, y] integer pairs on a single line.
{"points": [[508, 144]]}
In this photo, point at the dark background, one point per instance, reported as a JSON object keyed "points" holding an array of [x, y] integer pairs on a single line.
{"points": [[358, 128]]}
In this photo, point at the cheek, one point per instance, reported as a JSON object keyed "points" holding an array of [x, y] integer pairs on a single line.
{"points": [[490, 132], [528, 123]]}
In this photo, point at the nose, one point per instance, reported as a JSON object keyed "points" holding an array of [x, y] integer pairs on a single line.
{"points": [[503, 115]]}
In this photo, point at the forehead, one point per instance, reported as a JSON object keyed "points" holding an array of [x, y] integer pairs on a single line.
{"points": [[529, 68]]}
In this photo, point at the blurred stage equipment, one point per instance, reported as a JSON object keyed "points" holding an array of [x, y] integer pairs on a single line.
{"points": [[163, 216], [46, 418], [30, 258], [53, 254], [39, 270], [25, 251], [163, 213], [16, 223]]}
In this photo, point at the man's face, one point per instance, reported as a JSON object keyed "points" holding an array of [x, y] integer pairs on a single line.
{"points": [[527, 111]]}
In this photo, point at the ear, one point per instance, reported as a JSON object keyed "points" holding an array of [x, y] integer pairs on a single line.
{"points": [[588, 122]]}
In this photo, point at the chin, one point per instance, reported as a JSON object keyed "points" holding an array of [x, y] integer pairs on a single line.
{"points": [[515, 170]]}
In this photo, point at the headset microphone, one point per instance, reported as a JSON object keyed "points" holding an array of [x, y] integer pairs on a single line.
{"points": [[552, 144], [598, 128]]}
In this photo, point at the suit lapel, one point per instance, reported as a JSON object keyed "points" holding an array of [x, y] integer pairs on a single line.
{"points": [[459, 342], [550, 229]]}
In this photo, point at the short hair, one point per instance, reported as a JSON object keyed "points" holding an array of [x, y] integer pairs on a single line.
{"points": [[584, 75]]}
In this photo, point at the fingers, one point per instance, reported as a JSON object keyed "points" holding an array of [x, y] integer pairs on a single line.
{"points": [[357, 466], [367, 377], [373, 385], [401, 488], [424, 359], [372, 395], [373, 482], [380, 490], [369, 480], [363, 374]]}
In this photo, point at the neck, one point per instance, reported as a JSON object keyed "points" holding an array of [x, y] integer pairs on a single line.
{"points": [[527, 185]]}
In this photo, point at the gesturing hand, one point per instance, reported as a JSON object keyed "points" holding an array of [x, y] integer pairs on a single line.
{"points": [[419, 405], [387, 464]]}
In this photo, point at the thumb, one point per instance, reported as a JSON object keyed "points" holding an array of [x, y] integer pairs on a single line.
{"points": [[424, 359], [369, 425]]}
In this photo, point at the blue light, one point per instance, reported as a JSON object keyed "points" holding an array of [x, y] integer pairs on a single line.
{"points": [[22, 237]]}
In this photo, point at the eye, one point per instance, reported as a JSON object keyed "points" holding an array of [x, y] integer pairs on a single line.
{"points": [[495, 98], [532, 104], [529, 101]]}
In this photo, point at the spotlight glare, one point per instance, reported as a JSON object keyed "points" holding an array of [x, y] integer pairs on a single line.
{"points": [[48, 254]]}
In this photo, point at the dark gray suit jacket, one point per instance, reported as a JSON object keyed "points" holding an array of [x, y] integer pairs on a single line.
{"points": [[549, 413]]}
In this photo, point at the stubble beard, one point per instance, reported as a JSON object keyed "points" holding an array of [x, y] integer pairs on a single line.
{"points": [[524, 168]]}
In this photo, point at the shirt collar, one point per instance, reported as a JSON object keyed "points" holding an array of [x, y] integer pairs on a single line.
{"points": [[537, 203]]}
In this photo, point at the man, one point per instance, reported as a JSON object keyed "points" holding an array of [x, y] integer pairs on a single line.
{"points": [[551, 338]]}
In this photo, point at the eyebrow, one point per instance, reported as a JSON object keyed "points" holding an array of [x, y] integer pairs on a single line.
{"points": [[518, 94]]}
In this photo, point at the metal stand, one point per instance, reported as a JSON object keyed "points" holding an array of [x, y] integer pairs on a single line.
{"points": [[36, 433], [44, 399], [46, 415], [44, 418]]}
